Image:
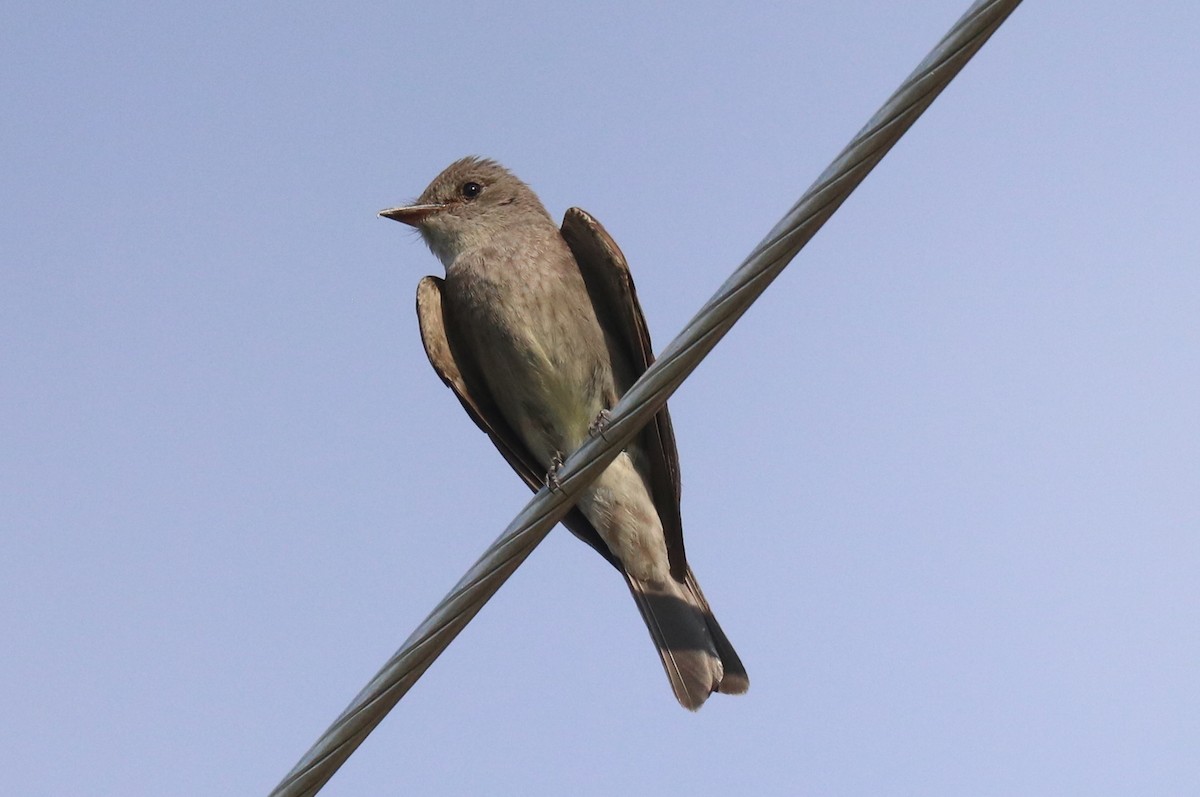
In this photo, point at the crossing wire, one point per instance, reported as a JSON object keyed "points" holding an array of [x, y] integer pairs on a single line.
{"points": [[646, 396]]}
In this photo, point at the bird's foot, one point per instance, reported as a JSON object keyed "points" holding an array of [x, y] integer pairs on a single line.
{"points": [[552, 481], [598, 426]]}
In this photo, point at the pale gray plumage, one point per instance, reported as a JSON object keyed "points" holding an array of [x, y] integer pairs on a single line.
{"points": [[538, 331]]}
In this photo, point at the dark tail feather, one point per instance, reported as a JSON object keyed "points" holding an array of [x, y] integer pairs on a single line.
{"points": [[695, 652], [736, 681]]}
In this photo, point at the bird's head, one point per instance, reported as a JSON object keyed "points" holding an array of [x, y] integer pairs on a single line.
{"points": [[472, 203]]}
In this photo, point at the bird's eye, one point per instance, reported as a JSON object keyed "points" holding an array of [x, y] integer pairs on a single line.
{"points": [[471, 190]]}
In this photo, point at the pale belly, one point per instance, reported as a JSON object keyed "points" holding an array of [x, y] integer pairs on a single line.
{"points": [[547, 368]]}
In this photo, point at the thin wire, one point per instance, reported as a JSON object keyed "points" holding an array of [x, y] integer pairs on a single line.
{"points": [[646, 396]]}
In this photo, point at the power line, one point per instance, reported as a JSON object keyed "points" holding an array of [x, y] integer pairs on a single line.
{"points": [[646, 396]]}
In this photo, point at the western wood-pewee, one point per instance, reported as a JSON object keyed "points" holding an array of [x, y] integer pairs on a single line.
{"points": [[539, 332]]}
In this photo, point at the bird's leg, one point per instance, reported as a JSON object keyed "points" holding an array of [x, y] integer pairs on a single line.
{"points": [[598, 426], [556, 462]]}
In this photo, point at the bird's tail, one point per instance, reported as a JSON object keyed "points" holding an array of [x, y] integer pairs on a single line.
{"points": [[695, 651]]}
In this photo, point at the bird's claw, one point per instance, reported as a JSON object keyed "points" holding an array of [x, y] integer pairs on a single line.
{"points": [[598, 426], [552, 475]]}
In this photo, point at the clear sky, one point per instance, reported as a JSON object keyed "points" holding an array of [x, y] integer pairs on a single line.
{"points": [[940, 485]]}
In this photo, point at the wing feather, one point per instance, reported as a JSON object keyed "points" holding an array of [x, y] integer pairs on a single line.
{"points": [[606, 274]]}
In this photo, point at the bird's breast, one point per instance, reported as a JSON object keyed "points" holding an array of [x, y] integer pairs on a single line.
{"points": [[531, 328]]}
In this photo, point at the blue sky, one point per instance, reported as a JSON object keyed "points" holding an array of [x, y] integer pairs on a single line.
{"points": [[940, 485]]}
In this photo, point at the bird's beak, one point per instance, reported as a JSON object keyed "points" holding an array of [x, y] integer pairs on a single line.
{"points": [[411, 214]]}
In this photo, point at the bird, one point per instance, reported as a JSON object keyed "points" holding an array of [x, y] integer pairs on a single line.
{"points": [[538, 331]]}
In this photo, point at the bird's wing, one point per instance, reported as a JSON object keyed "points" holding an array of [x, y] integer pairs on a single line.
{"points": [[610, 286], [461, 375]]}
